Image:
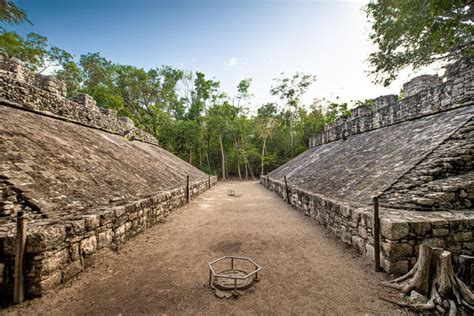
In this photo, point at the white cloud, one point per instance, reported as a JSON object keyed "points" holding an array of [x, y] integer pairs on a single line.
{"points": [[233, 61]]}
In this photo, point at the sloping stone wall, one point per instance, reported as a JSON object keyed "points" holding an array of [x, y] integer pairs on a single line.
{"points": [[443, 180], [21, 88], [64, 167], [423, 96], [367, 164], [58, 250]]}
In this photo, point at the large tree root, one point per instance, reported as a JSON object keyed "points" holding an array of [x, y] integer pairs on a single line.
{"points": [[434, 277]]}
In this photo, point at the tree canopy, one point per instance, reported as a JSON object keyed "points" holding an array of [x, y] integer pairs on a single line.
{"points": [[417, 33]]}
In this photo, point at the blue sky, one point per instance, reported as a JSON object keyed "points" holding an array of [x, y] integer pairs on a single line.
{"points": [[227, 39]]}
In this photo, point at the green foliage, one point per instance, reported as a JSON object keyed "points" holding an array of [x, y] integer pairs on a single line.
{"points": [[71, 74], [34, 49], [417, 33], [11, 14], [290, 90], [336, 110]]}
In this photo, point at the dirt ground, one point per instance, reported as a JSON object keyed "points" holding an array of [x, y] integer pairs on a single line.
{"points": [[164, 270]]}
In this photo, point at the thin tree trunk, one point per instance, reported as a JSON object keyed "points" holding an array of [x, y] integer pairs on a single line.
{"points": [[190, 156], [263, 154], [200, 157], [251, 172], [208, 163], [238, 168], [291, 132], [208, 151], [246, 169], [238, 160], [222, 157]]}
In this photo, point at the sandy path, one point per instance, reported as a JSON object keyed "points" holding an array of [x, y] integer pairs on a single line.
{"points": [[165, 269]]}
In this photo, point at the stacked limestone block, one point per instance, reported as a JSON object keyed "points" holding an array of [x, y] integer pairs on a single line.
{"points": [[21, 88], [422, 95], [58, 250]]}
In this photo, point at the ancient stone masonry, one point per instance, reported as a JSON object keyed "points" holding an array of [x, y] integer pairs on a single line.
{"points": [[443, 180], [86, 179], [21, 88], [416, 154], [423, 95], [58, 250]]}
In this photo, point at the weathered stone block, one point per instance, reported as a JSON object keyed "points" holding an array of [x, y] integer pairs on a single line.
{"points": [[362, 232], [468, 246], [45, 238], [346, 237], [397, 267], [462, 236], [439, 232], [358, 243], [88, 245], [106, 217], [397, 250], [50, 283], [55, 261], [119, 211], [421, 228], [92, 222], [72, 270], [394, 230], [105, 238], [74, 251], [120, 230], [76, 227]]}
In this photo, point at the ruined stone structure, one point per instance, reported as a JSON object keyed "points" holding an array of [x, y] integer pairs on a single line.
{"points": [[86, 179], [415, 154]]}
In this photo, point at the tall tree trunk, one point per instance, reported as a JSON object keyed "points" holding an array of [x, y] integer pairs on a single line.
{"points": [[222, 156], [208, 151], [238, 168], [291, 133], [251, 171], [263, 154], [200, 157], [246, 168], [190, 156], [208, 163], [238, 159]]}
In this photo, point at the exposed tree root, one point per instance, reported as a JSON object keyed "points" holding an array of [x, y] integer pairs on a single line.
{"points": [[434, 277]]}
